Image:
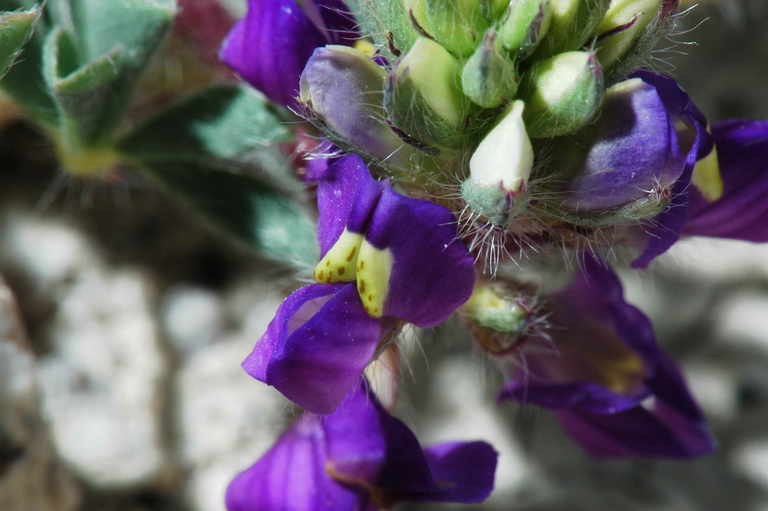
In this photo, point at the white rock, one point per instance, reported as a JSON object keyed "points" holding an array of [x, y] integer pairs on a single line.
{"points": [[227, 419], [462, 410], [31, 477], [193, 317], [50, 251], [744, 318], [101, 382]]}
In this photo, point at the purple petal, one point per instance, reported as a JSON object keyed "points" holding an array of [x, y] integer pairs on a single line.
{"points": [[634, 148], [590, 317], [291, 476], [372, 449], [659, 432], [356, 457], [270, 46], [316, 347], [603, 349], [661, 233], [334, 19], [742, 211], [346, 197], [432, 274]]}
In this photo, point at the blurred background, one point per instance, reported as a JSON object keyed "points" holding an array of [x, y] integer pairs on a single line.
{"points": [[123, 322]]}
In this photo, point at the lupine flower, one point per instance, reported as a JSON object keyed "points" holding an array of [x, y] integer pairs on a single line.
{"points": [[271, 44], [741, 161], [360, 457], [385, 257], [613, 388]]}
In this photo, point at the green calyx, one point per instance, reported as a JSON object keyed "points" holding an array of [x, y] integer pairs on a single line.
{"points": [[423, 96], [524, 25], [562, 93], [488, 78]]}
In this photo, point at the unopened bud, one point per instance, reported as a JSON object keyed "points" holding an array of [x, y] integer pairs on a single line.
{"points": [[423, 97], [458, 25], [488, 78], [573, 24], [498, 321], [562, 93], [345, 88], [623, 25], [523, 27], [500, 168]]}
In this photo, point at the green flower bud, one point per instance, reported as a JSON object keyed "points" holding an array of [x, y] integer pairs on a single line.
{"points": [[488, 78], [498, 320], [562, 93], [499, 169], [623, 24], [344, 89], [458, 25], [423, 97], [573, 24], [523, 27]]}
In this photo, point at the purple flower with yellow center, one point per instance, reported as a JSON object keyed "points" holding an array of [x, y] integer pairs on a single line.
{"points": [[271, 44], [613, 388], [360, 457], [385, 258], [730, 199]]}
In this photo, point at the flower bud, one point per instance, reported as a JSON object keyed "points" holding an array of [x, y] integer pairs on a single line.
{"points": [[623, 25], [562, 93], [488, 78], [500, 168], [525, 24], [345, 89], [458, 25], [423, 96], [573, 24], [499, 323]]}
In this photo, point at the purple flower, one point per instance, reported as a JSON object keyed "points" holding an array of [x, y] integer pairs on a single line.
{"points": [[612, 387], [360, 457], [385, 257], [664, 230], [270, 46], [742, 210]]}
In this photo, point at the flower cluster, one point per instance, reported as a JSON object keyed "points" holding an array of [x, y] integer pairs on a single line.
{"points": [[456, 135]]}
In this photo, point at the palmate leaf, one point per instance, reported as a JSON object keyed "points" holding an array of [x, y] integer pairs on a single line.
{"points": [[268, 221], [200, 149], [231, 128], [113, 42], [23, 81], [16, 28]]}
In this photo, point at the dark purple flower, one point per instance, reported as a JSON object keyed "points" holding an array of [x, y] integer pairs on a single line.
{"points": [[633, 148], [360, 457], [664, 230], [386, 257], [270, 46], [742, 210], [613, 388]]}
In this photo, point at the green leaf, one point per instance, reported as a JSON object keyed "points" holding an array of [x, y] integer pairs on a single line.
{"points": [[16, 28], [265, 219], [229, 128], [123, 35], [24, 80], [137, 25], [83, 94]]}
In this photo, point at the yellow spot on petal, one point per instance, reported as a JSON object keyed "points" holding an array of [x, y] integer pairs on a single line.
{"points": [[707, 178], [373, 272], [366, 47], [340, 260]]}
